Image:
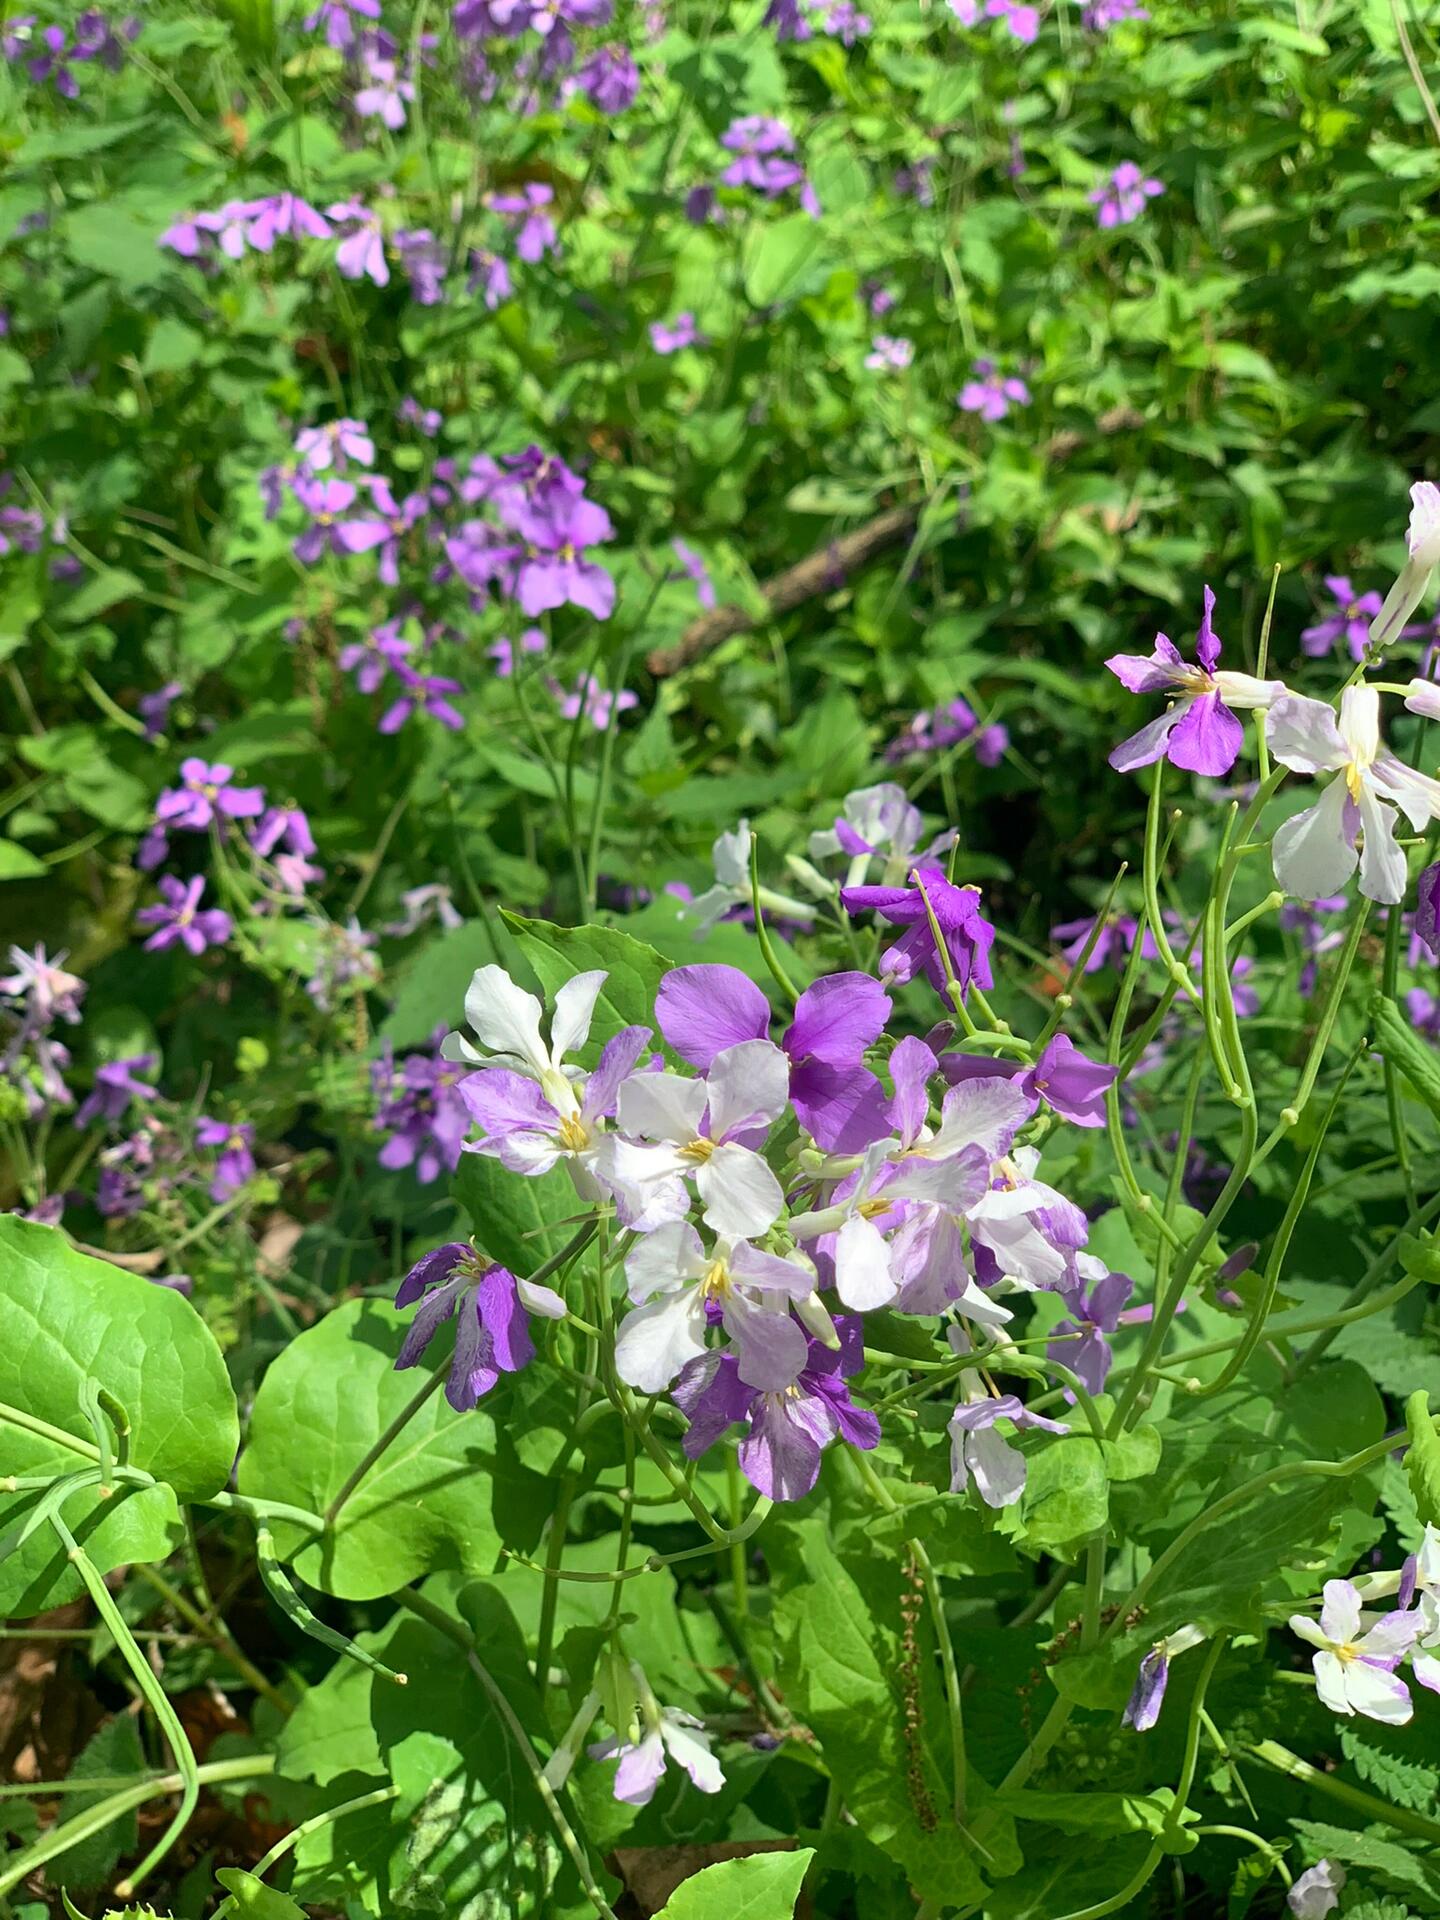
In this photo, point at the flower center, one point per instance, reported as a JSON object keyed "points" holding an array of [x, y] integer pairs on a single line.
{"points": [[697, 1150], [572, 1134], [871, 1209], [716, 1283]]}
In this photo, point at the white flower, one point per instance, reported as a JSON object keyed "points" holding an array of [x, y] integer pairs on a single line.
{"points": [[506, 1020], [1355, 1670], [661, 1142], [1317, 1892], [1315, 852], [671, 1279], [1422, 538], [731, 854]]}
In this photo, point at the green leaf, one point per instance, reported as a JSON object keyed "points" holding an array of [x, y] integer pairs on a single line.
{"points": [[1093, 1812], [428, 1503], [634, 971], [118, 244], [763, 1886], [254, 1899], [68, 1320], [785, 260], [519, 1222], [1422, 1462], [18, 863], [171, 348], [102, 590], [113, 1750], [74, 141], [432, 991]]}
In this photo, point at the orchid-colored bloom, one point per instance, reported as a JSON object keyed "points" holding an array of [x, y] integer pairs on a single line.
{"points": [[425, 1116], [694, 569], [1097, 1314], [879, 820], [1022, 20], [1198, 731], [361, 254], [385, 97], [1422, 540], [534, 230], [666, 1734], [181, 918], [502, 650], [1122, 197], [705, 1009], [1355, 1669], [967, 934], [492, 1331], [383, 650], [334, 443], [337, 17], [671, 337], [426, 693], [422, 905], [990, 393], [611, 78], [889, 352], [1111, 949], [1148, 1694], [1349, 621], [787, 1430], [204, 795], [50, 993], [596, 703], [978, 1452], [236, 1163], [1314, 853], [1100, 15], [328, 502], [673, 1282], [489, 277], [116, 1085]]}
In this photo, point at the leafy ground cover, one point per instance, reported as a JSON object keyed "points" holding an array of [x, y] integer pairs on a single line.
{"points": [[682, 1233]]}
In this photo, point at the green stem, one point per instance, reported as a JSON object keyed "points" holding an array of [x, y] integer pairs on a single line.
{"points": [[377, 1447], [378, 1798], [1365, 1804], [217, 1635]]}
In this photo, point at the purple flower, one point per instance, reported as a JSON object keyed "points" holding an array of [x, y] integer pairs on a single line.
{"points": [[425, 420], [1064, 1077], [425, 693], [888, 351], [502, 650], [978, 1452], [1111, 949], [182, 918], [757, 142], [1100, 15], [598, 705], [533, 229], [1355, 1669], [327, 502], [337, 19], [361, 254], [1197, 731], [385, 97], [422, 905], [116, 1085], [1350, 620], [966, 932], [1423, 1010], [990, 393], [334, 443], [236, 1163], [282, 825], [695, 569], [424, 259], [611, 78], [283, 213], [788, 1430], [204, 795], [1122, 199], [382, 651], [665, 1734], [554, 571], [670, 339], [1022, 21], [492, 1332], [425, 1117], [914, 182], [704, 1009], [489, 277], [154, 708], [1096, 1314]]}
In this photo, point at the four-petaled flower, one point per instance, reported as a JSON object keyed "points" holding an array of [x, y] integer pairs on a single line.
{"points": [[1355, 1662], [1197, 731]]}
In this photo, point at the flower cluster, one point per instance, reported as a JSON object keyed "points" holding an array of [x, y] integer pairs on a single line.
{"points": [[48, 55], [783, 1188]]}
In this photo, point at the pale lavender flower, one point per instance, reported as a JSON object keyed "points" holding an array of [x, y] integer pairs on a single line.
{"points": [[49, 992], [206, 794], [338, 17], [594, 701], [236, 1162], [978, 1452], [1148, 1694], [534, 231], [1317, 1891], [503, 649], [331, 530], [694, 569], [489, 277], [361, 254], [887, 351], [425, 420], [1100, 15], [1348, 621], [666, 338], [666, 1734], [424, 259], [1355, 1663], [990, 393], [1197, 732], [1021, 20], [1122, 198], [385, 97], [382, 651], [611, 78], [334, 443], [423, 693]]}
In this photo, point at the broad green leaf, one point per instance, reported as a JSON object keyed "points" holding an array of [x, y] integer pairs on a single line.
{"points": [[253, 1899], [118, 243], [785, 260], [114, 1750], [518, 1221], [103, 589], [432, 989], [762, 1886], [68, 1320], [1422, 1461], [18, 863], [428, 1503], [1094, 1812], [634, 971]]}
